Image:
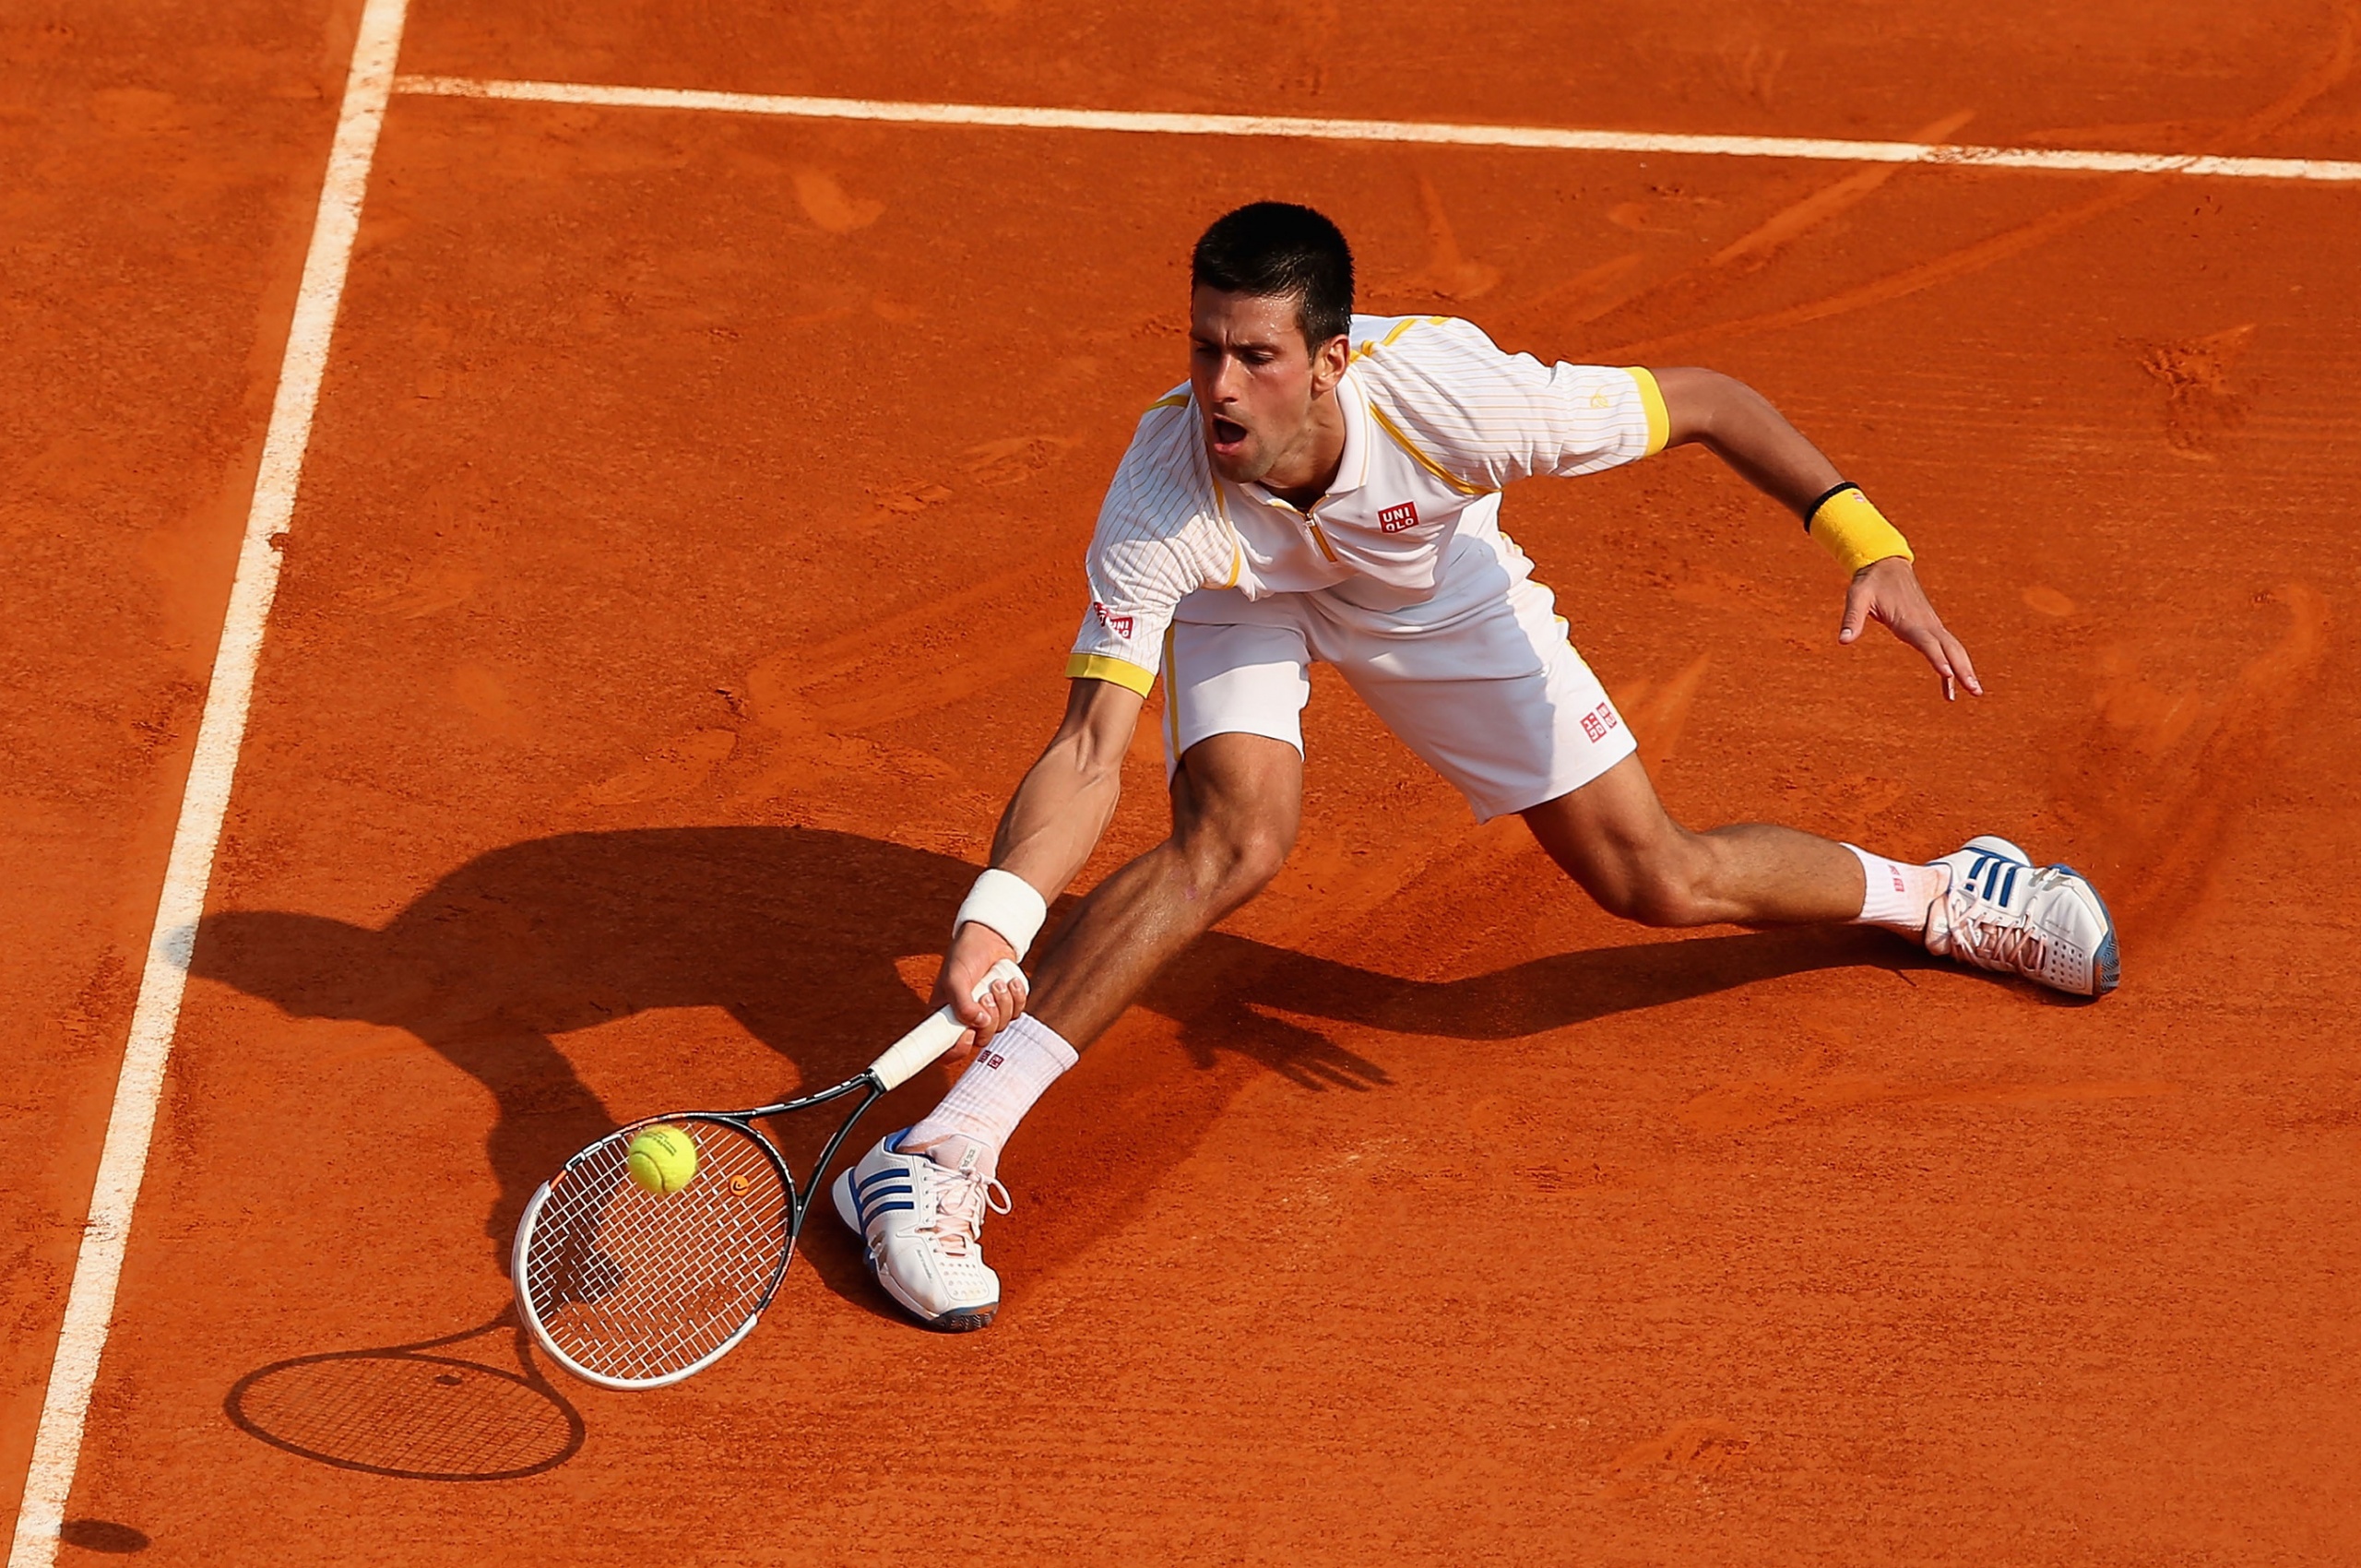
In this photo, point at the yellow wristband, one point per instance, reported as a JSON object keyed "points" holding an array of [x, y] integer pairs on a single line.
{"points": [[1852, 531]]}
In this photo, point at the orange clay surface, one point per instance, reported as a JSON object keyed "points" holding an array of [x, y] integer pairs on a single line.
{"points": [[688, 544]]}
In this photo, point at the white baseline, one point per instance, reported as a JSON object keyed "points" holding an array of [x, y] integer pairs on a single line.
{"points": [[89, 1303], [1815, 149]]}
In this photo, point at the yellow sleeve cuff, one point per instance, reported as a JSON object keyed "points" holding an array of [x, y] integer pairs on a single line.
{"points": [[1099, 667], [1652, 399], [1854, 530]]}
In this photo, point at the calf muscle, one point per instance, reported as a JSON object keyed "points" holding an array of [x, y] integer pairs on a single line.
{"points": [[1614, 838]]}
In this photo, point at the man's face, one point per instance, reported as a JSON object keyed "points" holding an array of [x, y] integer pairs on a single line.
{"points": [[1255, 380]]}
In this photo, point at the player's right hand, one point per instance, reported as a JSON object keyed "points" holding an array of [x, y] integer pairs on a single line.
{"points": [[975, 948]]}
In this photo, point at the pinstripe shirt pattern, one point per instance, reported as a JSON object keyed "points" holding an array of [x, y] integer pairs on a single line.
{"points": [[1436, 420]]}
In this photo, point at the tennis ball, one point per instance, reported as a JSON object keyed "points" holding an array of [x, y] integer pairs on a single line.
{"points": [[663, 1160]]}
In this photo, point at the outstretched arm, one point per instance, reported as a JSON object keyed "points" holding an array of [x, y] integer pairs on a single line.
{"points": [[1739, 426], [1052, 823]]}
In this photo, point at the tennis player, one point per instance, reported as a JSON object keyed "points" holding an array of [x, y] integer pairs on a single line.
{"points": [[1326, 486]]}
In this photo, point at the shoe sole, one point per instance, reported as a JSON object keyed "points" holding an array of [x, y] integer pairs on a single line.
{"points": [[963, 1320], [960, 1320], [2106, 964]]}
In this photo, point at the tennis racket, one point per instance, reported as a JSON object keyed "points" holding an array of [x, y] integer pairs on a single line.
{"points": [[629, 1288]]}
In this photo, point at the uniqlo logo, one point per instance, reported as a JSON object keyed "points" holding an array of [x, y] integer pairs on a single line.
{"points": [[993, 1059], [1393, 519], [1119, 625], [1599, 722]]}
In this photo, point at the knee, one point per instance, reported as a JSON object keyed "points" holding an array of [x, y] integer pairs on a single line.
{"points": [[1614, 838], [1664, 889], [1231, 861]]}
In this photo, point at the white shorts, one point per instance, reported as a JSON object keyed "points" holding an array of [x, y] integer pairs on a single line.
{"points": [[1480, 680]]}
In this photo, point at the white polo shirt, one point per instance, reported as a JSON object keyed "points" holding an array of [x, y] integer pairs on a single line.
{"points": [[1437, 419]]}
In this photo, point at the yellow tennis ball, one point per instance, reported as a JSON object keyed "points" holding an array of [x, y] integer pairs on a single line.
{"points": [[663, 1160]]}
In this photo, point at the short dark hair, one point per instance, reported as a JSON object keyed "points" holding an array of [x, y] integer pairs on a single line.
{"points": [[1268, 248]]}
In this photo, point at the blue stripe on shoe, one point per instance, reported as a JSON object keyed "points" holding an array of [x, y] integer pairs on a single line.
{"points": [[892, 1173], [881, 1202]]}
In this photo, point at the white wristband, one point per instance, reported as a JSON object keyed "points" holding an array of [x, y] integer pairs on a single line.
{"points": [[1007, 903]]}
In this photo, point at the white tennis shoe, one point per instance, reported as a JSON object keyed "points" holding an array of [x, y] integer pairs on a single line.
{"points": [[923, 1224], [2048, 924]]}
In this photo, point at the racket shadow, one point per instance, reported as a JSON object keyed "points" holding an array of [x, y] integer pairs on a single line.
{"points": [[419, 1411]]}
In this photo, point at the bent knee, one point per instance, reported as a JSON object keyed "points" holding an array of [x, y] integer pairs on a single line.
{"points": [[1663, 904], [1657, 891], [1236, 861]]}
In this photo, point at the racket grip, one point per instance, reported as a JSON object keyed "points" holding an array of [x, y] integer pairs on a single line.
{"points": [[938, 1034]]}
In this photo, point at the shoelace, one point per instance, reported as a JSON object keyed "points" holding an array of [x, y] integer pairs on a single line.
{"points": [[1994, 938], [961, 1198]]}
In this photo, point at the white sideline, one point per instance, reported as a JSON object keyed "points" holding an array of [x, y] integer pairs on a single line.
{"points": [[89, 1305], [1821, 149]]}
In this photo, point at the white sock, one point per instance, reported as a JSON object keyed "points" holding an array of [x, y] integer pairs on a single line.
{"points": [[992, 1096], [1898, 892]]}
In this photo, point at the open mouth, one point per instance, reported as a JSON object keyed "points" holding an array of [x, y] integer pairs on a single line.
{"points": [[1228, 434]]}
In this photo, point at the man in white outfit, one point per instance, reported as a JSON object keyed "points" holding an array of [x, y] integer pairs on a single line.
{"points": [[1326, 487]]}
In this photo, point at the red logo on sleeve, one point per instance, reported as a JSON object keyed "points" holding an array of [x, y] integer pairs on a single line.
{"points": [[1599, 722], [1393, 519], [1119, 625]]}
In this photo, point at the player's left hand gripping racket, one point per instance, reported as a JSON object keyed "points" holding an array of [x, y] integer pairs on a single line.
{"points": [[629, 1288]]}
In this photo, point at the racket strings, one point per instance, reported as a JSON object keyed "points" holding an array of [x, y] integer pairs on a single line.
{"points": [[633, 1285]]}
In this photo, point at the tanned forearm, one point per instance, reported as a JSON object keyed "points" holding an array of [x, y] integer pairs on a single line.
{"points": [[1047, 834], [1055, 820], [1738, 425]]}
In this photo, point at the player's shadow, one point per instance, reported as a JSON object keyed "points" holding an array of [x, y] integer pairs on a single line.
{"points": [[794, 931]]}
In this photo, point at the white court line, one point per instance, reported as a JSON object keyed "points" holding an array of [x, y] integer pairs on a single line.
{"points": [[1821, 149], [89, 1308]]}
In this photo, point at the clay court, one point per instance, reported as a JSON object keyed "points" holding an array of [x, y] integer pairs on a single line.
{"points": [[682, 559]]}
